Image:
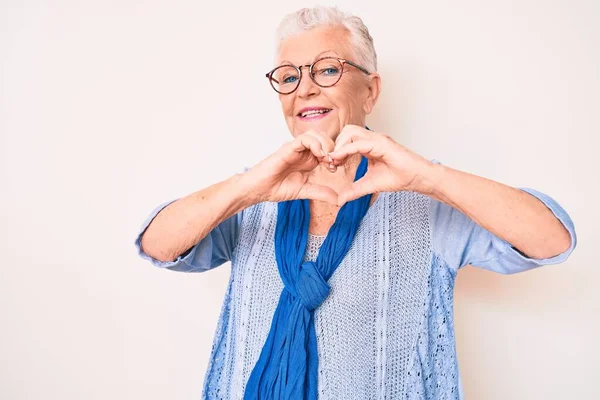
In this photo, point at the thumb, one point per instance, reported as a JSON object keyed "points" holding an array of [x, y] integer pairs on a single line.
{"points": [[313, 191], [355, 190]]}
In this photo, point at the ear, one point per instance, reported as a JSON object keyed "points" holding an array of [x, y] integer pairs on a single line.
{"points": [[373, 90]]}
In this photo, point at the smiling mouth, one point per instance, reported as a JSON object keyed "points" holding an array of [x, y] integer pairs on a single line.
{"points": [[314, 113]]}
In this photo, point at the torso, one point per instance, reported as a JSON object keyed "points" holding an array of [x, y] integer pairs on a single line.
{"points": [[385, 331]]}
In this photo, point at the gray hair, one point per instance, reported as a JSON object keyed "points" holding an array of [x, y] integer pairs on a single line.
{"points": [[305, 19]]}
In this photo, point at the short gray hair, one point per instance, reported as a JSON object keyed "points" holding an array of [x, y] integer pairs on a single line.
{"points": [[305, 19]]}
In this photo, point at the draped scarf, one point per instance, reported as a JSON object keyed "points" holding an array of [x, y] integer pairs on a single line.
{"points": [[287, 368]]}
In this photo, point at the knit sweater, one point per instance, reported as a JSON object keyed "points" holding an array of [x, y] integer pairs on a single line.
{"points": [[386, 330]]}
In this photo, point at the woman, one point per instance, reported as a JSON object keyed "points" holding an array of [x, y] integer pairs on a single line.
{"points": [[345, 244]]}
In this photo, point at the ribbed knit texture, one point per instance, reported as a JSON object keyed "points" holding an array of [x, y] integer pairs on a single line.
{"points": [[366, 328]]}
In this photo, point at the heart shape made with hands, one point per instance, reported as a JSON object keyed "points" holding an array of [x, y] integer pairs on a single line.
{"points": [[392, 167], [351, 141]]}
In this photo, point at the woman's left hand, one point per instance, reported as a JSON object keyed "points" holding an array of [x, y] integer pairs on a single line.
{"points": [[392, 167]]}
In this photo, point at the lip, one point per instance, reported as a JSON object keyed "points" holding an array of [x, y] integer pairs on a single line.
{"points": [[317, 116]]}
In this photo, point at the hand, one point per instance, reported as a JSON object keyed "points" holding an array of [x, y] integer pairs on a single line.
{"points": [[392, 167], [284, 174]]}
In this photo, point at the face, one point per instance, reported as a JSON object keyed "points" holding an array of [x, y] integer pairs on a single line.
{"points": [[347, 102]]}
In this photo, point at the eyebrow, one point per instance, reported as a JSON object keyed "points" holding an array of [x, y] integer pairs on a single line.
{"points": [[316, 57]]}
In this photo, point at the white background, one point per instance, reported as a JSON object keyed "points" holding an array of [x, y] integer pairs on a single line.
{"points": [[109, 108]]}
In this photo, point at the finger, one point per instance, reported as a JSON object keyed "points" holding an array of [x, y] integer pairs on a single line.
{"points": [[306, 142], [355, 190], [327, 144], [318, 192], [349, 134], [367, 147]]}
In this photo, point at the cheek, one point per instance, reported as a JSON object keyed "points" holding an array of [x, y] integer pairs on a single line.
{"points": [[346, 100], [287, 105]]}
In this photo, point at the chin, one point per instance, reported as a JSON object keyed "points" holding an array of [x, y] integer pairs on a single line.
{"points": [[327, 129]]}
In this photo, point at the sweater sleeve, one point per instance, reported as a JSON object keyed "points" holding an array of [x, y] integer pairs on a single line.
{"points": [[461, 241], [213, 250]]}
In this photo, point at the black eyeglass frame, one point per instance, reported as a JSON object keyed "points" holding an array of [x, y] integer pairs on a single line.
{"points": [[342, 61]]}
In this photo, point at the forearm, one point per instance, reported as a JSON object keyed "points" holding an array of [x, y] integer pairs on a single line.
{"points": [[509, 213], [185, 222]]}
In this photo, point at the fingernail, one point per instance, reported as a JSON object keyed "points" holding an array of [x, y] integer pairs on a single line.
{"points": [[330, 160]]}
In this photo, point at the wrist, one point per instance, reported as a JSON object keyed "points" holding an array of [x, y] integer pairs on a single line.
{"points": [[429, 178], [249, 189]]}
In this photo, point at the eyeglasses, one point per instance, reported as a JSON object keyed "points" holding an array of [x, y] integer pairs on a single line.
{"points": [[325, 72]]}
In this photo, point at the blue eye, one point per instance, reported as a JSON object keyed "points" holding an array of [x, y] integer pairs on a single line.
{"points": [[328, 71], [290, 79]]}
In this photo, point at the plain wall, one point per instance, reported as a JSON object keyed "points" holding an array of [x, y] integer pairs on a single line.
{"points": [[109, 108]]}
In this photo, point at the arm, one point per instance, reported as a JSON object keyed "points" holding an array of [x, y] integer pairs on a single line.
{"points": [[199, 231], [473, 219], [179, 225], [514, 215]]}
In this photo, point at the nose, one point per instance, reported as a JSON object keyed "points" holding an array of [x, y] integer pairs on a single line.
{"points": [[307, 87]]}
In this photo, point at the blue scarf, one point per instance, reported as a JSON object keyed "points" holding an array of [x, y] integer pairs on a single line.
{"points": [[288, 364]]}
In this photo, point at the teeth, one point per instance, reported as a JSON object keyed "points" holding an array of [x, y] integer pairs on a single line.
{"points": [[314, 112]]}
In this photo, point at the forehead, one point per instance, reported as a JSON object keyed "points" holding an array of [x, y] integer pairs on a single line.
{"points": [[304, 47]]}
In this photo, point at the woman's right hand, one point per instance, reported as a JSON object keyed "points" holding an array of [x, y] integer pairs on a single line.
{"points": [[284, 174]]}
